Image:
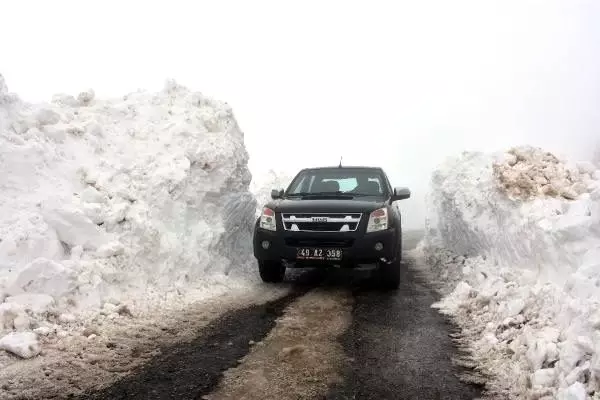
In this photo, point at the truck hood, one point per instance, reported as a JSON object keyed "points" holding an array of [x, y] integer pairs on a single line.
{"points": [[363, 205]]}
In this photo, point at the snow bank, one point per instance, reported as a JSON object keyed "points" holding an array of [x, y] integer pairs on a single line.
{"points": [[515, 241], [263, 183], [106, 202]]}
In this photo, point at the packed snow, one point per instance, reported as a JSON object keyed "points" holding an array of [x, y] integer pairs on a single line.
{"points": [[514, 240], [111, 207], [263, 183]]}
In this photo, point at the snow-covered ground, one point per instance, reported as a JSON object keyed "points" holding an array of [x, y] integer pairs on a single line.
{"points": [[115, 208], [514, 240]]}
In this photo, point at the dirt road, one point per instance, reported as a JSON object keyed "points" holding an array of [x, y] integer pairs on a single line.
{"points": [[327, 338]]}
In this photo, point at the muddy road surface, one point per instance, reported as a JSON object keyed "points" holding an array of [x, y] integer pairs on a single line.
{"points": [[330, 337]]}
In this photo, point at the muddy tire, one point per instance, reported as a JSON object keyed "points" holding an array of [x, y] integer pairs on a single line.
{"points": [[271, 271]]}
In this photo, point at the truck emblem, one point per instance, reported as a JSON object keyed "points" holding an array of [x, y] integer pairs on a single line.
{"points": [[319, 219]]}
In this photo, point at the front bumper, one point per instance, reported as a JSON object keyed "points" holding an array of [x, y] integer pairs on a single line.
{"points": [[358, 247]]}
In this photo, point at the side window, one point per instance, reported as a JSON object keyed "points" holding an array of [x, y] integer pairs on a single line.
{"points": [[300, 187], [309, 184], [378, 182]]}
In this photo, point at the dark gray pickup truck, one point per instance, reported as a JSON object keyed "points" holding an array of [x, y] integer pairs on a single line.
{"points": [[332, 217]]}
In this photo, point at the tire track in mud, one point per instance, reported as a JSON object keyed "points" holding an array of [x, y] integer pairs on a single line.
{"points": [[300, 358], [189, 370], [401, 348]]}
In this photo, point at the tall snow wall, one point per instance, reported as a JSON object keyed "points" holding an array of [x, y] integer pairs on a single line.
{"points": [[136, 197], [514, 238]]}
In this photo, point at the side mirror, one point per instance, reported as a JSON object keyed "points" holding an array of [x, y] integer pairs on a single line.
{"points": [[401, 193], [276, 194]]}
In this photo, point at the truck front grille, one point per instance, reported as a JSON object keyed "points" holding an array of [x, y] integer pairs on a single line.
{"points": [[321, 222]]}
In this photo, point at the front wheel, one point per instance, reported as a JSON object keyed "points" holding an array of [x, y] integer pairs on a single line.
{"points": [[389, 275], [271, 271]]}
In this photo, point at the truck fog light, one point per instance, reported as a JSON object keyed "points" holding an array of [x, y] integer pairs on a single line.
{"points": [[378, 246], [265, 244]]}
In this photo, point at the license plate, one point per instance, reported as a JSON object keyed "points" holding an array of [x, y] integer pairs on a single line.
{"points": [[311, 253]]}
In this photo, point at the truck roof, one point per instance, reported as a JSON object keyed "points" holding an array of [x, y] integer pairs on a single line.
{"points": [[344, 167]]}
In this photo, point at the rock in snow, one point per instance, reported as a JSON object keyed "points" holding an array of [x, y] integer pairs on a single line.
{"points": [[144, 197], [531, 256]]}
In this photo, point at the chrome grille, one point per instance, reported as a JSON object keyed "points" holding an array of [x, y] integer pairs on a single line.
{"points": [[321, 222]]}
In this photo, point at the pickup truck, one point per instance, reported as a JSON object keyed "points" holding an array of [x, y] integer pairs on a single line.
{"points": [[340, 217]]}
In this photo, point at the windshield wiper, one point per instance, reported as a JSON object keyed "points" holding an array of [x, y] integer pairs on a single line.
{"points": [[312, 194]]}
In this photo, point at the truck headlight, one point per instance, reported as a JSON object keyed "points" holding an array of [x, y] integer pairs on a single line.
{"points": [[267, 219], [378, 220]]}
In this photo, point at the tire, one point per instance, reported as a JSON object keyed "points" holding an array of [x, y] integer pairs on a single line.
{"points": [[271, 271], [390, 274]]}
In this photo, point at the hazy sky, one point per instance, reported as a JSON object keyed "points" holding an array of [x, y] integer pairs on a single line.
{"points": [[390, 83]]}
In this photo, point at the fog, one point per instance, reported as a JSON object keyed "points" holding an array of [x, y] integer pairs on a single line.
{"points": [[396, 84]]}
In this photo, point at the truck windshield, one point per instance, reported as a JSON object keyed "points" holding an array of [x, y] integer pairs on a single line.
{"points": [[338, 181]]}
